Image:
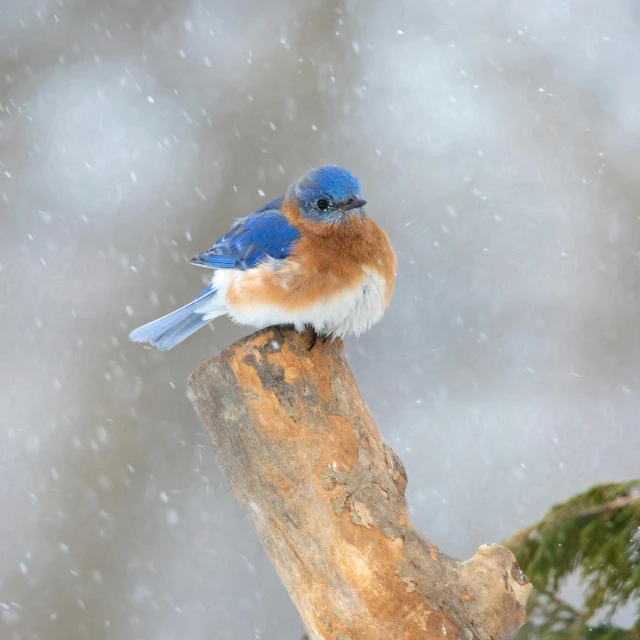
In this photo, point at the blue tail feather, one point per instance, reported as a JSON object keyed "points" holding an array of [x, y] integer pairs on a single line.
{"points": [[181, 331], [168, 331]]}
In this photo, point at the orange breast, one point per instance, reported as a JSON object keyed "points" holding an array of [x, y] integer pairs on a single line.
{"points": [[327, 261]]}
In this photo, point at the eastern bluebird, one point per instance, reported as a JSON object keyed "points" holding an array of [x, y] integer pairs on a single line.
{"points": [[311, 257]]}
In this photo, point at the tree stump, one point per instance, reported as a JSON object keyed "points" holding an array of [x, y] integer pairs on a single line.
{"points": [[326, 498]]}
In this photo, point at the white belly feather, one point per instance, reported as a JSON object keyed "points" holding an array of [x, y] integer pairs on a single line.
{"points": [[349, 313]]}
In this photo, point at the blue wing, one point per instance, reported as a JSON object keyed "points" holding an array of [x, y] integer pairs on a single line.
{"points": [[266, 233]]}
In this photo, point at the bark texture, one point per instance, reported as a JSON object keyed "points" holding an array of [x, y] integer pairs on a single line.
{"points": [[326, 498]]}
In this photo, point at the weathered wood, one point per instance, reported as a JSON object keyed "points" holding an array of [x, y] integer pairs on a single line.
{"points": [[326, 498]]}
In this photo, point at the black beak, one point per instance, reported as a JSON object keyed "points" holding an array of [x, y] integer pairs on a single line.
{"points": [[354, 204]]}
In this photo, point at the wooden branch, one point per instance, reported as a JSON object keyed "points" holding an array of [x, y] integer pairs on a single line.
{"points": [[326, 498]]}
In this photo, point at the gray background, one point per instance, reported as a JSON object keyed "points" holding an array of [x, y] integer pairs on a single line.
{"points": [[499, 145]]}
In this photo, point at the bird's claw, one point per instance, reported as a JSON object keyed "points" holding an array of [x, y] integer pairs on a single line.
{"points": [[314, 339]]}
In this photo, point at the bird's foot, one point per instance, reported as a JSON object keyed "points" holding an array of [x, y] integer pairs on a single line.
{"points": [[315, 336]]}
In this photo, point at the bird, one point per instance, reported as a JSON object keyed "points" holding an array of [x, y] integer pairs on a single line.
{"points": [[311, 257]]}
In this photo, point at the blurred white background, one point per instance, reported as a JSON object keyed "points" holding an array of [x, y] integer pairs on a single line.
{"points": [[499, 145]]}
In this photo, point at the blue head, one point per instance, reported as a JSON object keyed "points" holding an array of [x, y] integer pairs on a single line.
{"points": [[328, 194]]}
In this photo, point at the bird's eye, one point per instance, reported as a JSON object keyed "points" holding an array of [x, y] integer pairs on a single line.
{"points": [[322, 204]]}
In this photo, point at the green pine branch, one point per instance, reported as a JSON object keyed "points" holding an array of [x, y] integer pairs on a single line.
{"points": [[597, 534]]}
